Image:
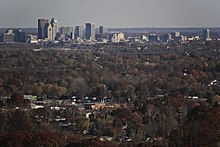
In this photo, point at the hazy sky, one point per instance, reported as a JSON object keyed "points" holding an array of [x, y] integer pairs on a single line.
{"points": [[114, 13]]}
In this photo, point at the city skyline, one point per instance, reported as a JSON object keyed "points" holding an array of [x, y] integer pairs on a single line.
{"points": [[140, 13]]}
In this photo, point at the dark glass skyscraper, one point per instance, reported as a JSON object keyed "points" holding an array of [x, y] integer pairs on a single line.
{"points": [[42, 28], [79, 32], [90, 31], [103, 31]]}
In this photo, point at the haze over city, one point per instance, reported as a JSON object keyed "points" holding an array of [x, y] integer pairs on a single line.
{"points": [[114, 13]]}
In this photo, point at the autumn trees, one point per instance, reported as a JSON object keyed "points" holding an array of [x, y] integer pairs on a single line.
{"points": [[202, 126], [84, 73], [153, 90]]}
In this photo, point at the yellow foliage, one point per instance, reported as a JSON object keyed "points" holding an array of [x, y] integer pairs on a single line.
{"points": [[217, 98]]}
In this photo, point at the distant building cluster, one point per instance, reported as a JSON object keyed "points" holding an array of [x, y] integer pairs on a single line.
{"points": [[173, 37], [49, 31], [117, 37], [13, 35]]}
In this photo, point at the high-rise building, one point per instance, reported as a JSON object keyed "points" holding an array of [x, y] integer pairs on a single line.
{"points": [[206, 35], [79, 32], [103, 31], [55, 28], [42, 28], [47, 30], [90, 31]]}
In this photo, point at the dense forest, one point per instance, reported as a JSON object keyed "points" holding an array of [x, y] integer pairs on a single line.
{"points": [[154, 84]]}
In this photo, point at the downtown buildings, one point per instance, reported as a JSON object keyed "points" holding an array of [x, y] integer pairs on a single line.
{"points": [[13, 35], [47, 30], [90, 33]]}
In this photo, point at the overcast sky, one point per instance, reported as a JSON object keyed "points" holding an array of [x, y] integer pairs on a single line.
{"points": [[114, 13]]}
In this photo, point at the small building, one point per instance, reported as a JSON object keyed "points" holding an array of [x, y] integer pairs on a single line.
{"points": [[154, 38]]}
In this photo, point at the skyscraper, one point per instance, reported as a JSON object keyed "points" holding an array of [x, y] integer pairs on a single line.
{"points": [[55, 29], [42, 28], [79, 32], [90, 31], [103, 31], [47, 30]]}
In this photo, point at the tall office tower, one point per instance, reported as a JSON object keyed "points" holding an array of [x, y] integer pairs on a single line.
{"points": [[42, 28], [206, 35], [55, 29], [90, 31], [103, 31], [49, 32], [79, 32]]}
